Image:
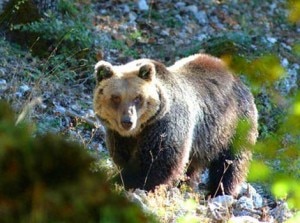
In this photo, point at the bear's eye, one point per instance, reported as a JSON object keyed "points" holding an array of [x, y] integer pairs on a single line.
{"points": [[138, 100], [115, 99]]}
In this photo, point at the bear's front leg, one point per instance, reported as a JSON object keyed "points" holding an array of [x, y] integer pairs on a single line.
{"points": [[158, 155], [163, 152], [123, 152], [153, 164]]}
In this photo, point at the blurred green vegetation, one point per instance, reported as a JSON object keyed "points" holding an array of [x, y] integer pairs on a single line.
{"points": [[277, 152], [294, 7], [169, 19], [46, 179]]}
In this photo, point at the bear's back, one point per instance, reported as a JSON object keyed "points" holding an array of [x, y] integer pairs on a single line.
{"points": [[206, 78], [202, 67], [216, 94]]}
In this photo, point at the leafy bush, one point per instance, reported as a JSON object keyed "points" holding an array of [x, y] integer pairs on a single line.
{"points": [[65, 30], [46, 179], [73, 33], [278, 149]]}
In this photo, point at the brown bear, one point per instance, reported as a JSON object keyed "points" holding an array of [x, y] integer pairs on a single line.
{"points": [[162, 122]]}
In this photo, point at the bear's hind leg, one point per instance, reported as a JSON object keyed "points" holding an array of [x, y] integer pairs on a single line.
{"points": [[193, 173], [227, 172]]}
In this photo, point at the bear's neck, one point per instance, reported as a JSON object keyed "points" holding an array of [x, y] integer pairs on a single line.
{"points": [[163, 107]]}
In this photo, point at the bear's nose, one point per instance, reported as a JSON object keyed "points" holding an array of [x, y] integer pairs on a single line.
{"points": [[126, 123]]}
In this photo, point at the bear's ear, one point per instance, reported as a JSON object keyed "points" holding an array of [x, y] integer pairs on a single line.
{"points": [[103, 70], [147, 72]]}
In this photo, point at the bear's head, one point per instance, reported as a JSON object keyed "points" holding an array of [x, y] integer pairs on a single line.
{"points": [[127, 97]]}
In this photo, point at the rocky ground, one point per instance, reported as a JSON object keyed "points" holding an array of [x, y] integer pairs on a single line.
{"points": [[57, 97]]}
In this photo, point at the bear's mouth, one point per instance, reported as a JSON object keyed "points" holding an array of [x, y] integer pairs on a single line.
{"points": [[127, 123], [127, 128]]}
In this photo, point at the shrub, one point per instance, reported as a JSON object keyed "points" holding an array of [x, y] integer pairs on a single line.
{"points": [[46, 179]]}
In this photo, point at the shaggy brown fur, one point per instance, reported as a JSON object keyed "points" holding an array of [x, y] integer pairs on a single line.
{"points": [[160, 120]]}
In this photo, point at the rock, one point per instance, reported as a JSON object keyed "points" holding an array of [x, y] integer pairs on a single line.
{"points": [[143, 6], [2, 71], [180, 5], [3, 85], [179, 18], [284, 62], [244, 203], [224, 200], [289, 82], [248, 191], [201, 17], [245, 207], [272, 40], [139, 197], [24, 88], [281, 213], [59, 109], [101, 148], [126, 8], [165, 33], [219, 207], [103, 11], [132, 17], [192, 8], [257, 200], [285, 46], [90, 113], [243, 219], [201, 36], [204, 176]]}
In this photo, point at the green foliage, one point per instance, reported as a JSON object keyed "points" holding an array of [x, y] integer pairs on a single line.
{"points": [[294, 219], [227, 44], [262, 175], [74, 34], [265, 69], [190, 217], [169, 19], [46, 179], [16, 12], [67, 30], [278, 152], [121, 46], [294, 7], [287, 188], [224, 44], [135, 35], [282, 146], [241, 140]]}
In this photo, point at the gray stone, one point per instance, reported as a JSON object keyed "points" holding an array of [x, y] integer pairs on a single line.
{"points": [[3, 85], [192, 8], [143, 6], [180, 5], [201, 17], [24, 88]]}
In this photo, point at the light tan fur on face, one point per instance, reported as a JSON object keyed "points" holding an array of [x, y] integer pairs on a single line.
{"points": [[128, 86]]}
